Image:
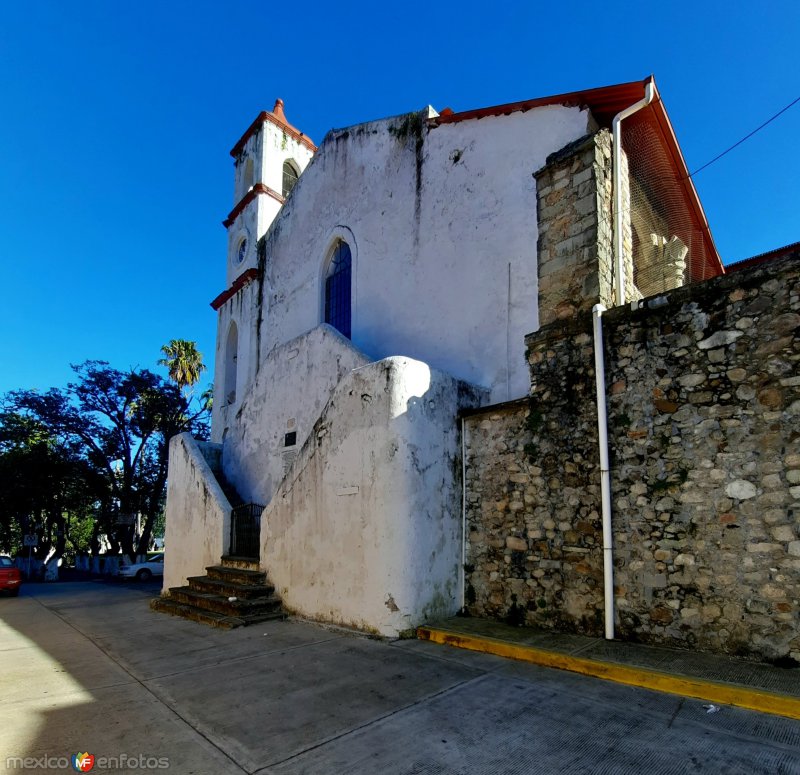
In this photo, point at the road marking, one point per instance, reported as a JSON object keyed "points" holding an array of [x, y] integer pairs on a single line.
{"points": [[726, 694]]}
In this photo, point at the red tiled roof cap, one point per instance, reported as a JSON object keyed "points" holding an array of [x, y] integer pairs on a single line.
{"points": [[277, 111], [275, 116]]}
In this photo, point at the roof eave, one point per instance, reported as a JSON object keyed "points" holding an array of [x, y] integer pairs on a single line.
{"points": [[682, 171]]}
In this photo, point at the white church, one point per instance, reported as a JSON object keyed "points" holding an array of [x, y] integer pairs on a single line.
{"points": [[380, 284]]}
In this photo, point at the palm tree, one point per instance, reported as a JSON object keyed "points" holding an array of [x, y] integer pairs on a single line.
{"points": [[183, 361]]}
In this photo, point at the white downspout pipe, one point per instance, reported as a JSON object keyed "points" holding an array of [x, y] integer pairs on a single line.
{"points": [[616, 129], [605, 474], [463, 570], [599, 363]]}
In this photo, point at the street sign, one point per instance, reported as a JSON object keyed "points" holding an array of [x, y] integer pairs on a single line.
{"points": [[29, 540]]}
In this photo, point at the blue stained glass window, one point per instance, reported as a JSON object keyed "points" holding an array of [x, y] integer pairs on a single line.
{"points": [[337, 289]]}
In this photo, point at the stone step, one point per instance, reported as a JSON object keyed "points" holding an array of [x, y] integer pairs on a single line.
{"points": [[236, 575], [233, 589], [211, 618], [223, 605], [172, 607], [244, 563]]}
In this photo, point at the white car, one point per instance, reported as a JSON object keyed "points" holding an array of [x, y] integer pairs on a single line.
{"points": [[143, 571]]}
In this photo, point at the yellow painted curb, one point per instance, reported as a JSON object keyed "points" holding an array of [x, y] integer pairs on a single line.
{"points": [[725, 694]]}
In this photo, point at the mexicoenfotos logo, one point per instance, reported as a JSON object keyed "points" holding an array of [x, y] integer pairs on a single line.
{"points": [[86, 762], [82, 762]]}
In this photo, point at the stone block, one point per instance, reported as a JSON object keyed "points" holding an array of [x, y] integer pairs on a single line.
{"points": [[737, 375], [691, 380], [654, 580], [784, 533], [661, 615], [516, 544], [719, 339], [741, 489], [763, 548]]}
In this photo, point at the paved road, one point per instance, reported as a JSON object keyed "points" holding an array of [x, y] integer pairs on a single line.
{"points": [[88, 667]]}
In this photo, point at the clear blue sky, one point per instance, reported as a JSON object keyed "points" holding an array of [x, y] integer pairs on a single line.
{"points": [[117, 118]]}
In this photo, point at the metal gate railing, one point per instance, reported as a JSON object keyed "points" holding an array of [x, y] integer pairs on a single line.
{"points": [[246, 530]]}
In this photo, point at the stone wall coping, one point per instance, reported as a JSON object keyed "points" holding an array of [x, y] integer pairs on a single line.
{"points": [[502, 406], [569, 150], [580, 323], [712, 288]]}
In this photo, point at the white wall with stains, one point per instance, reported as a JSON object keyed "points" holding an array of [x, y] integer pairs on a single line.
{"points": [[443, 227], [366, 528], [198, 513], [288, 395]]}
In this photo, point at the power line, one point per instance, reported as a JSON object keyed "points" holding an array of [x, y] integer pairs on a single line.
{"points": [[746, 137]]}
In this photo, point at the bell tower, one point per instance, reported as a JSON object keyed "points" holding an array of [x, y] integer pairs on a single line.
{"points": [[268, 160]]}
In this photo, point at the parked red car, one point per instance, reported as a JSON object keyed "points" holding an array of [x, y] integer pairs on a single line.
{"points": [[10, 576]]}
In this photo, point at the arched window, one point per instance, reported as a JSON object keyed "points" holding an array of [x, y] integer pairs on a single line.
{"points": [[231, 358], [290, 175], [337, 288]]}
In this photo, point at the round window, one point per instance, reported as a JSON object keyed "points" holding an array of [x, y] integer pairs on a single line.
{"points": [[240, 254]]}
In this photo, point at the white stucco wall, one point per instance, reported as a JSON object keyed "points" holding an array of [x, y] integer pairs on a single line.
{"points": [[435, 218], [442, 227], [278, 147], [290, 391], [242, 310], [198, 513], [366, 528]]}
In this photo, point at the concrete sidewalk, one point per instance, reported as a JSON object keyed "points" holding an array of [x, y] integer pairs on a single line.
{"points": [[88, 667], [716, 678]]}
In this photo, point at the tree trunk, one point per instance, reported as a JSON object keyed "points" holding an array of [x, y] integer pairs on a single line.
{"points": [[154, 503], [94, 541], [147, 531], [57, 521], [125, 535]]}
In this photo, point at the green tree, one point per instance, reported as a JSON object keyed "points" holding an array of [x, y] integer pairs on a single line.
{"points": [[46, 487], [183, 361], [119, 424]]}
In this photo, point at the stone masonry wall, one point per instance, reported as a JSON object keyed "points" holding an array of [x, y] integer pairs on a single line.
{"points": [[704, 427], [574, 250], [533, 494]]}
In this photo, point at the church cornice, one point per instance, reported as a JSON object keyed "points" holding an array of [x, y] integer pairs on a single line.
{"points": [[258, 188], [242, 281]]}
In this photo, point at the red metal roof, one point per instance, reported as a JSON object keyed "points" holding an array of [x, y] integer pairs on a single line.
{"points": [[763, 258], [664, 155], [605, 102]]}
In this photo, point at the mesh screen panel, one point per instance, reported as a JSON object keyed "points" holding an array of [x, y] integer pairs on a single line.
{"points": [[660, 227]]}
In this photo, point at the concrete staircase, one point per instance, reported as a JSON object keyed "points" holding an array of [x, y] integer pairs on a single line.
{"points": [[234, 593]]}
